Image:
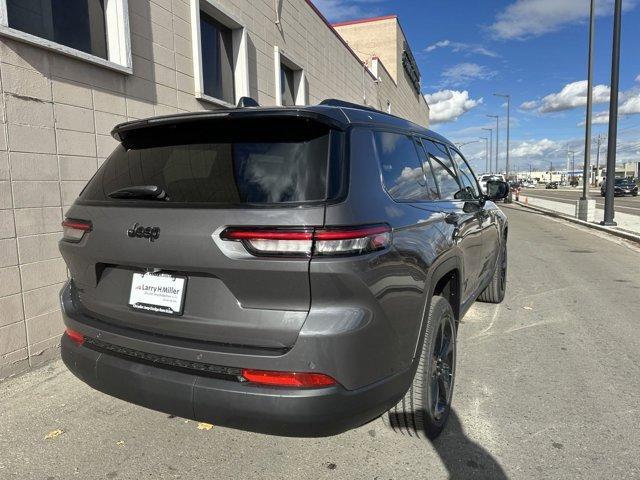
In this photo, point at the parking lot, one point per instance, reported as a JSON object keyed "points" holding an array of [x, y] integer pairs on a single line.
{"points": [[547, 387]]}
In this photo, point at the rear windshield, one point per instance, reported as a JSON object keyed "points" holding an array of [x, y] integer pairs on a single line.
{"points": [[245, 164]]}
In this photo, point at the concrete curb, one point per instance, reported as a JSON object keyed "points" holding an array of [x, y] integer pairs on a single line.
{"points": [[613, 231]]}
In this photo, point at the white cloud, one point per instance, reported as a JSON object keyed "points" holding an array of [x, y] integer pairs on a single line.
{"points": [[460, 47], [630, 105], [338, 10], [531, 18], [532, 105], [534, 149], [449, 105], [463, 73], [572, 95], [638, 79]]}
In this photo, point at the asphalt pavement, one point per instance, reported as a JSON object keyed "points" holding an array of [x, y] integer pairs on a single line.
{"points": [[628, 204], [548, 386]]}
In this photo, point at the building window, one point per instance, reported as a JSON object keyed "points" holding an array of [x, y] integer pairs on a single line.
{"points": [[287, 87], [217, 59], [290, 81], [94, 30], [220, 55]]}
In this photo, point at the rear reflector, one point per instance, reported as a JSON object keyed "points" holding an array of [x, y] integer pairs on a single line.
{"points": [[288, 379], [75, 337], [74, 230], [305, 241]]}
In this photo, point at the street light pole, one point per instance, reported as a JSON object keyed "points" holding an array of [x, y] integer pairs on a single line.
{"points": [[508, 97], [486, 152], [497, 117], [490, 130], [613, 118], [598, 160], [587, 139]]}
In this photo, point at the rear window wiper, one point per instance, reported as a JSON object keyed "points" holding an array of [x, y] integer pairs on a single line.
{"points": [[149, 192]]}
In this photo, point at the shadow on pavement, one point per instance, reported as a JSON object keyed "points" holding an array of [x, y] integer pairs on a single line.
{"points": [[464, 458]]}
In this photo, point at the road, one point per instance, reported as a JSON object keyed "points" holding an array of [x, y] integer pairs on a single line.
{"points": [[547, 387], [630, 205]]}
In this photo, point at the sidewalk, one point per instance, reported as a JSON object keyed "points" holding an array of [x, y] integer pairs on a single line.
{"points": [[625, 221]]}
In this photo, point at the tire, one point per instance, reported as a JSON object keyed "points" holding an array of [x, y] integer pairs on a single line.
{"points": [[424, 410], [495, 291]]}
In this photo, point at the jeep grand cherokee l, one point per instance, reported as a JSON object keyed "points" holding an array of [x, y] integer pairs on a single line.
{"points": [[292, 271]]}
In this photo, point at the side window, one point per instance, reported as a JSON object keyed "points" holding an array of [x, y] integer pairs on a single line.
{"points": [[443, 170], [466, 176], [401, 170]]}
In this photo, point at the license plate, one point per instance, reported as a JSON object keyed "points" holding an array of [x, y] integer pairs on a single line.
{"points": [[157, 293]]}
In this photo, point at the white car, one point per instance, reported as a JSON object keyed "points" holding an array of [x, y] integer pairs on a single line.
{"points": [[489, 176]]}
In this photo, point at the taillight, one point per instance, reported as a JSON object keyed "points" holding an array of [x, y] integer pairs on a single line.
{"points": [[352, 241], [75, 337], [288, 379], [306, 242], [261, 241], [74, 230]]}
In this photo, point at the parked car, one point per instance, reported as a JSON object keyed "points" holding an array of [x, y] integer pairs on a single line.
{"points": [[293, 271], [490, 177], [552, 186], [622, 186]]}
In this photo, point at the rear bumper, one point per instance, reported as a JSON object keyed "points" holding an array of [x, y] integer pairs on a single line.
{"points": [[276, 411]]}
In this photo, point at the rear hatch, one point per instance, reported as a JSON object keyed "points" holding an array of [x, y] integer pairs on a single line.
{"points": [[152, 258]]}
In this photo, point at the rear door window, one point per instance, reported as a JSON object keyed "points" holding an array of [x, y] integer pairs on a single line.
{"points": [[400, 165], [443, 169], [246, 168]]}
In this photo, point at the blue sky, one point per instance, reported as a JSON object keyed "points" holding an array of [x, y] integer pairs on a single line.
{"points": [[536, 50]]}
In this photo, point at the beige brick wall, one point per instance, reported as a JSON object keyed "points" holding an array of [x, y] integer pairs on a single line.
{"points": [[56, 114]]}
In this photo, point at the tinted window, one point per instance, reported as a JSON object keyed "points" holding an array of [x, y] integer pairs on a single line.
{"points": [[258, 168], [443, 170], [78, 24], [287, 87], [465, 174], [401, 170], [217, 59]]}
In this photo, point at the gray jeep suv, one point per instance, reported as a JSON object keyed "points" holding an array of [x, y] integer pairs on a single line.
{"points": [[292, 271]]}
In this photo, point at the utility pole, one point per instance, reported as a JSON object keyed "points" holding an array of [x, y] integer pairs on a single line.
{"points": [[490, 130], [613, 117], [508, 97], [497, 117], [587, 139], [573, 165], [486, 153], [598, 160]]}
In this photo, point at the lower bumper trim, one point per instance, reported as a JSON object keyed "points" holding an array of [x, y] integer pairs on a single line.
{"points": [[241, 405]]}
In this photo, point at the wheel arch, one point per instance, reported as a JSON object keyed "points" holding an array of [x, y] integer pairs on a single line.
{"points": [[445, 279]]}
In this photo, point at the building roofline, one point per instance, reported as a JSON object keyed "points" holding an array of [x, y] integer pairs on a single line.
{"points": [[364, 20], [342, 40]]}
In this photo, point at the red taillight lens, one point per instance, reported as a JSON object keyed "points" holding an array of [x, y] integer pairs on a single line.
{"points": [[272, 241], [74, 230], [352, 241], [288, 379], [305, 241], [75, 337]]}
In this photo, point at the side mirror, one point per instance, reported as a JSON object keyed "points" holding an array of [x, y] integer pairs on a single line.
{"points": [[497, 190]]}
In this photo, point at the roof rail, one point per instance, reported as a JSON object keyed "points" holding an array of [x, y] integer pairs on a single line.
{"points": [[246, 102], [333, 102]]}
